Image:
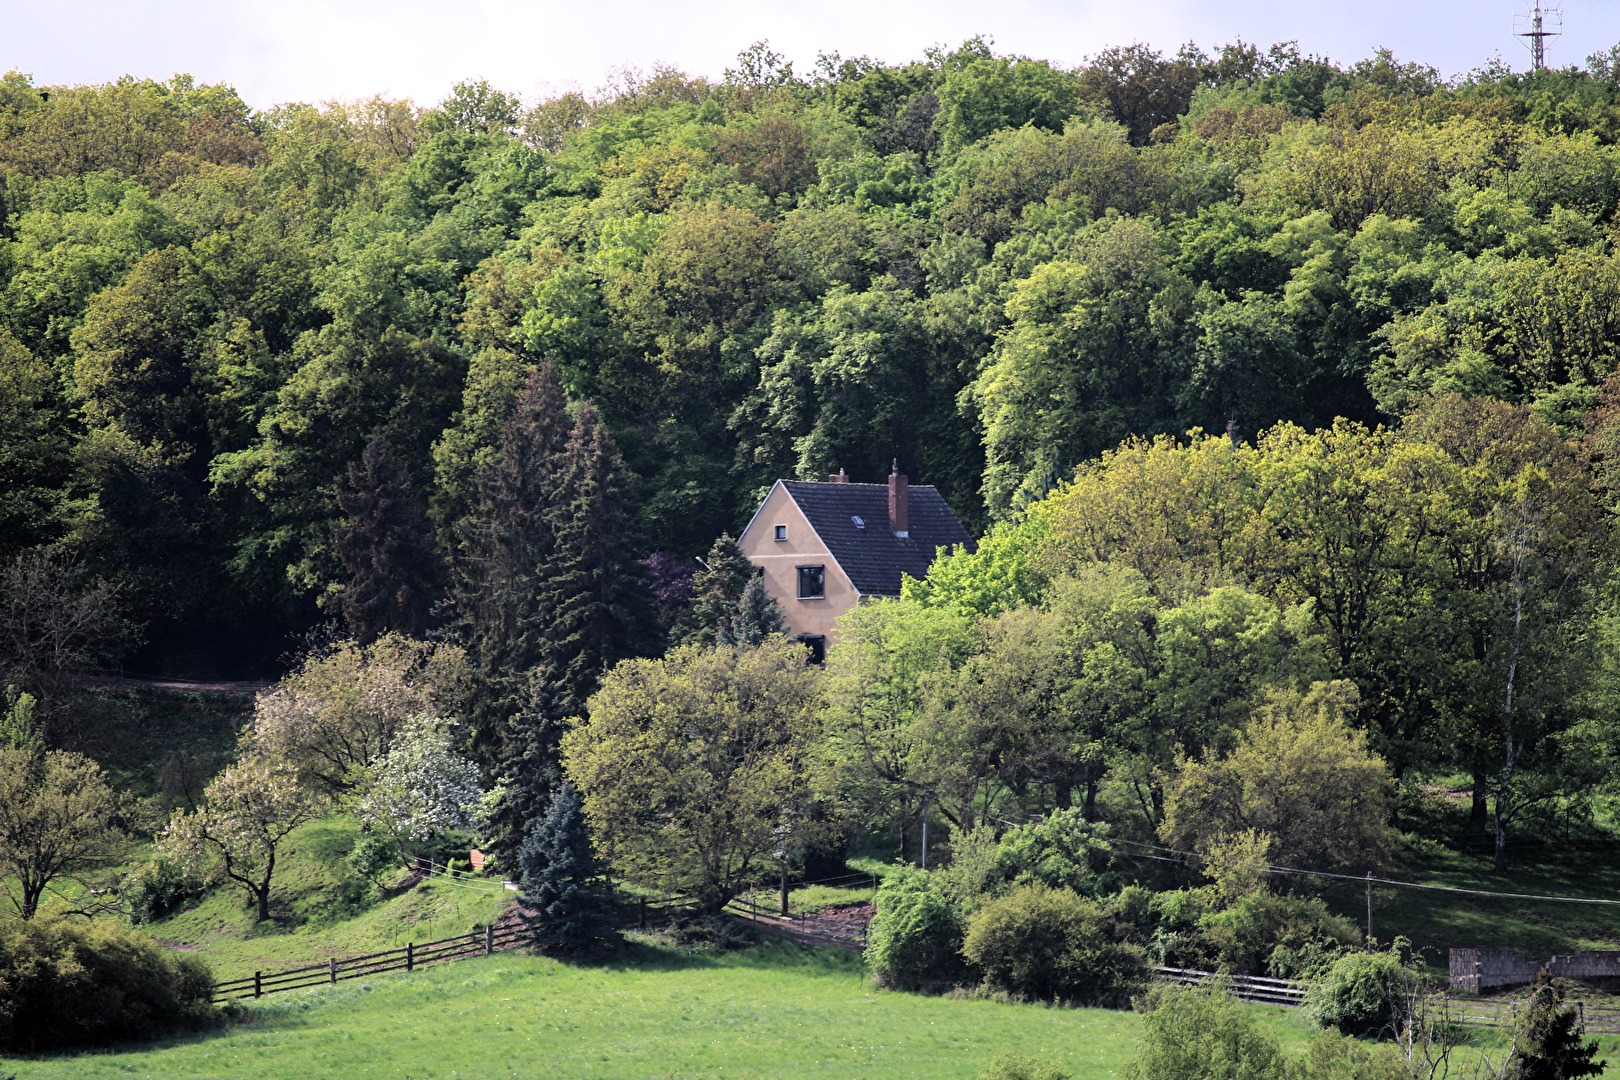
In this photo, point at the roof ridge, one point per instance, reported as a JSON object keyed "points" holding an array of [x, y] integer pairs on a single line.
{"points": [[853, 483]]}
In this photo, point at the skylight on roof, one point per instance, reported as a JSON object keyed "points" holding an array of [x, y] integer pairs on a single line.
{"points": [[856, 518]]}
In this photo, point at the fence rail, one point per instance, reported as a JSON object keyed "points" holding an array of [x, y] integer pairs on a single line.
{"points": [[1245, 987], [1476, 1013], [808, 929], [1468, 1011], [491, 939]]}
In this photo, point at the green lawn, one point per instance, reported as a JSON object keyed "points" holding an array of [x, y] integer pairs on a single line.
{"points": [[776, 1010]]}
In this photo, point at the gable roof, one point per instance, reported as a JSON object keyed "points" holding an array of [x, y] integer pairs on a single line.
{"points": [[874, 557]]}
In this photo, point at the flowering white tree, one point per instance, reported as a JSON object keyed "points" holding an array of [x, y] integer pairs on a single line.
{"points": [[247, 811], [421, 786]]}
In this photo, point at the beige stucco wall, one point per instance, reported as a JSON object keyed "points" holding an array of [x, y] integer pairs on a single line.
{"points": [[781, 559]]}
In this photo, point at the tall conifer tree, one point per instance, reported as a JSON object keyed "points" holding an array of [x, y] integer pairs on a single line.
{"points": [[569, 910], [596, 594], [757, 617], [506, 549], [387, 548], [716, 591]]}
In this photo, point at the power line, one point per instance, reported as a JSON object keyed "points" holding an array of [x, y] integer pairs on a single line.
{"points": [[1363, 878]]}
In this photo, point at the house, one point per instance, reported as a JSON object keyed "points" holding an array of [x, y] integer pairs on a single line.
{"points": [[823, 548]]}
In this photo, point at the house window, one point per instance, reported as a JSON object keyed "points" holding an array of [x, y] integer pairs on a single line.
{"points": [[812, 582], [781, 532], [817, 645]]}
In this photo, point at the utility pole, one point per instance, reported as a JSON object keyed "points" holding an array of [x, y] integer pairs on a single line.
{"points": [[925, 829], [1536, 27], [1369, 911]]}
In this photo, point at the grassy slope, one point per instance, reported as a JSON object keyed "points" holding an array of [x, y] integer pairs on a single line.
{"points": [[313, 921], [1436, 920]]}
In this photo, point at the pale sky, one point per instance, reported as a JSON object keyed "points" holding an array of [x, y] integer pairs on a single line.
{"points": [[274, 51]]}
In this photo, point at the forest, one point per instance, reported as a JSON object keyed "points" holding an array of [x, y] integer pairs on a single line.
{"points": [[1283, 393]]}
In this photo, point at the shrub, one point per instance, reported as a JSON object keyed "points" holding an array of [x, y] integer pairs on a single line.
{"points": [[1284, 936], [373, 856], [915, 937], [1014, 1066], [159, 888], [77, 984], [702, 931], [1064, 852], [1048, 943], [1363, 993], [1331, 1056], [1192, 1032]]}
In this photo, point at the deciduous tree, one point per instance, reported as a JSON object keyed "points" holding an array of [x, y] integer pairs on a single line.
{"points": [[58, 821], [247, 812], [694, 767]]}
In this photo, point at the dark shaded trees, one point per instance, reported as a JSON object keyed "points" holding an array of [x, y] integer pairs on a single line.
{"points": [[395, 576], [506, 548], [716, 591], [594, 593]]}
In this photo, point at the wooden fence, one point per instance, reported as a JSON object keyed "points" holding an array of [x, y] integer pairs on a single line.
{"points": [[1246, 987], [1477, 1013], [1470, 1011], [491, 939], [806, 929]]}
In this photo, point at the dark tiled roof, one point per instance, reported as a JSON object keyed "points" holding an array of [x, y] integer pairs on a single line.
{"points": [[873, 557]]}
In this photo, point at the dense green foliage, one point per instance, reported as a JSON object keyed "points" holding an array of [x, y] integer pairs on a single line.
{"points": [[74, 984], [1364, 993], [1551, 1042], [989, 266], [915, 938], [1285, 394], [1050, 944], [1200, 1032]]}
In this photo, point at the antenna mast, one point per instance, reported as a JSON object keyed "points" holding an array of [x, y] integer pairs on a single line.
{"points": [[1536, 27]]}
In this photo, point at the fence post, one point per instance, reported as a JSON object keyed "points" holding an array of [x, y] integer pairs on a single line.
{"points": [[489, 939], [410, 955], [784, 894], [257, 987], [331, 968]]}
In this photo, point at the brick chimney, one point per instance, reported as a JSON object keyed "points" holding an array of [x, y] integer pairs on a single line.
{"points": [[899, 502], [839, 477]]}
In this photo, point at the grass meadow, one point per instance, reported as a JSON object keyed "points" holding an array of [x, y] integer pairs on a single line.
{"points": [[774, 1010]]}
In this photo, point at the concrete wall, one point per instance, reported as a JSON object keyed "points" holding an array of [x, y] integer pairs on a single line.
{"points": [[780, 560], [1479, 971]]}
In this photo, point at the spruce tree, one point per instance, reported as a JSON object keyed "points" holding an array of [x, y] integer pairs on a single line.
{"points": [[387, 548], [1552, 1044], [595, 596], [757, 617], [716, 591], [505, 551], [567, 906], [527, 766]]}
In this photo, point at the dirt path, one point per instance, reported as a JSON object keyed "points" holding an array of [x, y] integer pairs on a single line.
{"points": [[236, 687], [841, 927]]}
